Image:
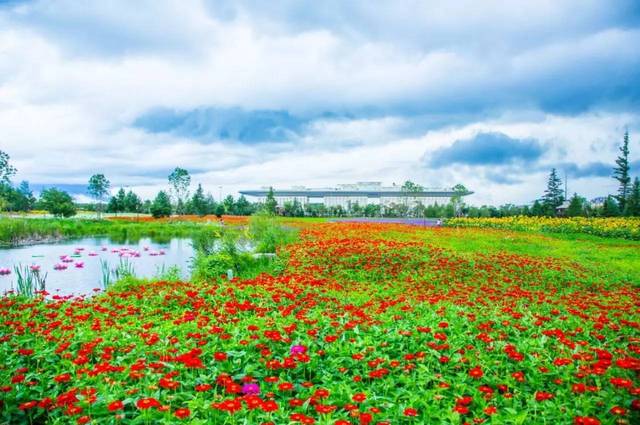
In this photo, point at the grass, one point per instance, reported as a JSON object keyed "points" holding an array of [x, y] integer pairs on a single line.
{"points": [[16, 230], [611, 258]]}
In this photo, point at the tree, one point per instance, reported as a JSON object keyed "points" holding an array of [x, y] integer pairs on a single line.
{"points": [[199, 202], [25, 199], [621, 172], [537, 209], [456, 200], [219, 210], [610, 207], [57, 203], [180, 180], [132, 202], [243, 207], [632, 206], [117, 203], [229, 204], [161, 206], [408, 188], [270, 203], [98, 188], [576, 206], [6, 170], [554, 196]]}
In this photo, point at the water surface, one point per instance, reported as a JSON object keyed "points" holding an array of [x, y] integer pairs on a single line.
{"points": [[83, 271]]}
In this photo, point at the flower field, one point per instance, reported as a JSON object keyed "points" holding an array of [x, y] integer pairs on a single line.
{"points": [[366, 324], [616, 227]]}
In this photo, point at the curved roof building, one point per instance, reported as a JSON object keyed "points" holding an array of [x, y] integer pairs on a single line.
{"points": [[346, 195]]}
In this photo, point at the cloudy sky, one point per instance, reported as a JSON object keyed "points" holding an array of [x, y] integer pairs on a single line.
{"points": [[245, 94]]}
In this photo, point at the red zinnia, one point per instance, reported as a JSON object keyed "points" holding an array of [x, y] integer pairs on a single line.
{"points": [[182, 413], [359, 398], [476, 372], [116, 405], [410, 412], [146, 403]]}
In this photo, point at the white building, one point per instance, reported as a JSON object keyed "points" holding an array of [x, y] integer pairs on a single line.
{"points": [[347, 195]]}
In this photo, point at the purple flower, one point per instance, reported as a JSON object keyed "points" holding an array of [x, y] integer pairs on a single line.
{"points": [[298, 349], [251, 389]]}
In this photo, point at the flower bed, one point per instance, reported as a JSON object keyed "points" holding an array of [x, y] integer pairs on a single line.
{"points": [[367, 324], [617, 227]]}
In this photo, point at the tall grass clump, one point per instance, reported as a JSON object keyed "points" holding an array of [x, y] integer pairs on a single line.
{"points": [[29, 280], [267, 233], [215, 258]]}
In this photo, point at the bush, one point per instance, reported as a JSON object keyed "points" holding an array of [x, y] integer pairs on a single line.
{"points": [[267, 233]]}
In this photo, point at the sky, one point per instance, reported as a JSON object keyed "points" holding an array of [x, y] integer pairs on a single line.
{"points": [[247, 94]]}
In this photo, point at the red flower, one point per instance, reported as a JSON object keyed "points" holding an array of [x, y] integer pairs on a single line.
{"points": [[182, 413], [285, 386], [28, 405], [65, 377], [115, 405], [83, 419], [146, 403], [491, 410], [617, 410], [586, 420], [203, 387], [410, 412], [359, 398], [476, 372], [542, 396], [269, 406]]}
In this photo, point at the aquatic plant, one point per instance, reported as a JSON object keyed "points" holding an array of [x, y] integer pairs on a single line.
{"points": [[106, 273], [29, 281]]}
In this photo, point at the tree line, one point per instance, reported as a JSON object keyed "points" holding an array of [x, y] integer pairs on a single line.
{"points": [[179, 200], [626, 202]]}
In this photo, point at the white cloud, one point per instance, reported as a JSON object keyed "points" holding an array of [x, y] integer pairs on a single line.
{"points": [[73, 79]]}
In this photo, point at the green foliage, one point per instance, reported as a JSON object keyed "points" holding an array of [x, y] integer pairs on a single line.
{"points": [[632, 208], [29, 280], [169, 274], [621, 173], [180, 180], [243, 207], [98, 188], [610, 207], [219, 210], [57, 202], [267, 234], [198, 203], [293, 209], [132, 203], [117, 203], [161, 206], [411, 187], [553, 196], [576, 206], [270, 203], [13, 230], [6, 170], [19, 199]]}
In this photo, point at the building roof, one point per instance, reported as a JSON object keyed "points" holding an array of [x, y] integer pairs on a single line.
{"points": [[368, 189]]}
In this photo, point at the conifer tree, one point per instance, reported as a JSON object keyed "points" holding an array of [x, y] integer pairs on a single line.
{"points": [[554, 196], [632, 206], [621, 173]]}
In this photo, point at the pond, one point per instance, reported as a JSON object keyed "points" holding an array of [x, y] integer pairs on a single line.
{"points": [[74, 267]]}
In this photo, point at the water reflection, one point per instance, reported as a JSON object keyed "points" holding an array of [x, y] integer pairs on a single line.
{"points": [[75, 266]]}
